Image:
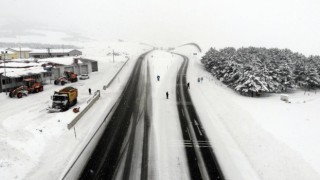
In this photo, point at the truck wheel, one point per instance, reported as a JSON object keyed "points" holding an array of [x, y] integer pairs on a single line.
{"points": [[66, 107], [10, 95], [62, 83], [41, 88], [19, 95], [75, 101], [36, 90], [56, 82]]}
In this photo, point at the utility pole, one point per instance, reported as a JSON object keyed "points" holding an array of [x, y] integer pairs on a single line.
{"points": [[113, 55]]}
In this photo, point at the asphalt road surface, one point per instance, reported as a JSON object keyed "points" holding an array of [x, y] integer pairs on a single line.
{"points": [[123, 149], [201, 159], [126, 133]]}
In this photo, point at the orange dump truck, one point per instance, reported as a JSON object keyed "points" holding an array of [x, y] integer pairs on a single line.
{"points": [[65, 98]]}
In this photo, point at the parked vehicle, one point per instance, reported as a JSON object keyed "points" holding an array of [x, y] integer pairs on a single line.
{"points": [[64, 99], [84, 76], [30, 86], [69, 76]]}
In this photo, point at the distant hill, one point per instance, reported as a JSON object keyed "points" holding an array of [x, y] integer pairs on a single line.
{"points": [[36, 45]]}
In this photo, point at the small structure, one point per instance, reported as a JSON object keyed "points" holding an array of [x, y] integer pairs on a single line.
{"points": [[47, 53], [12, 80], [284, 97], [73, 64], [8, 56], [20, 53]]}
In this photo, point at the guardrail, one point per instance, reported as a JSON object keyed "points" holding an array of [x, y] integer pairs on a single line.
{"points": [[114, 77], [90, 102]]}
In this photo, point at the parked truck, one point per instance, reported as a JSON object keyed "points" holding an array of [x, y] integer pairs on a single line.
{"points": [[69, 76], [30, 85], [62, 100]]}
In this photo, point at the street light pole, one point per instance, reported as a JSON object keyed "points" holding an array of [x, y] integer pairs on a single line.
{"points": [[113, 55]]}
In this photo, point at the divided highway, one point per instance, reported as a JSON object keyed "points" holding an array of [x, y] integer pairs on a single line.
{"points": [[123, 149]]}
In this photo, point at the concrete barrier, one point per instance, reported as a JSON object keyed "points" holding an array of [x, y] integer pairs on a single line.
{"points": [[90, 102], [74, 171]]}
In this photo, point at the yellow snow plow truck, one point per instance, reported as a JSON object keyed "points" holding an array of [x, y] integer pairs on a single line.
{"points": [[63, 99]]}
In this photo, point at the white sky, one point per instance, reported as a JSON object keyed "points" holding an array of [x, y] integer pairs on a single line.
{"points": [[290, 24]]}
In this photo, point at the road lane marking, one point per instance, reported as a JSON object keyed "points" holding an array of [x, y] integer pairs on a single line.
{"points": [[196, 123], [182, 112]]}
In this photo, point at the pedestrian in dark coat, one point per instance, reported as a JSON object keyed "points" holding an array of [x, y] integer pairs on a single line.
{"points": [[167, 94], [188, 85], [89, 91]]}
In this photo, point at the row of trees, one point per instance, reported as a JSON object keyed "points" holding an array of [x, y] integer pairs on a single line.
{"points": [[253, 71]]}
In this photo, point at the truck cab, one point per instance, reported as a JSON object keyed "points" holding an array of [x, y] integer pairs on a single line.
{"points": [[60, 101], [63, 99]]}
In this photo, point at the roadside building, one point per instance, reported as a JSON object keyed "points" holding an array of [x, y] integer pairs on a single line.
{"points": [[9, 55], [14, 73], [48, 53], [20, 53], [74, 64], [43, 70]]}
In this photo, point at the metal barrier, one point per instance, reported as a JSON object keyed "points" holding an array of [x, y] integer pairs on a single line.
{"points": [[114, 77], [90, 102]]}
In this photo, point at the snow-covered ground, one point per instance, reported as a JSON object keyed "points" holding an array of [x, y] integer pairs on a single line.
{"points": [[35, 144], [253, 138], [258, 138], [170, 157]]}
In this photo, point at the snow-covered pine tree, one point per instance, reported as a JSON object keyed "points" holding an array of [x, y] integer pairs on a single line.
{"points": [[312, 80], [250, 84], [299, 73]]}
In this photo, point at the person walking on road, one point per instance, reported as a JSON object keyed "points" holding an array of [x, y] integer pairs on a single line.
{"points": [[167, 94], [158, 77], [188, 85], [89, 91]]}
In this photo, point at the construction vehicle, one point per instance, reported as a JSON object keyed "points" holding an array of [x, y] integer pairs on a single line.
{"points": [[69, 76], [30, 85], [63, 99]]}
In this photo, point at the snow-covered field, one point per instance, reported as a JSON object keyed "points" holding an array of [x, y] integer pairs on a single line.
{"points": [[253, 138], [258, 138], [35, 144]]}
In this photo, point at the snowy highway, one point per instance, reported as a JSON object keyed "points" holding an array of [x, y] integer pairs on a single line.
{"points": [[150, 136], [201, 159], [123, 149], [121, 140]]}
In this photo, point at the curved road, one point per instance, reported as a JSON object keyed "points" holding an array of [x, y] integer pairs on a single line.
{"points": [[123, 149], [201, 159]]}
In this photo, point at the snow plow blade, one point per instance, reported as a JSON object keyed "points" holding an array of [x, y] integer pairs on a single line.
{"points": [[53, 110]]}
